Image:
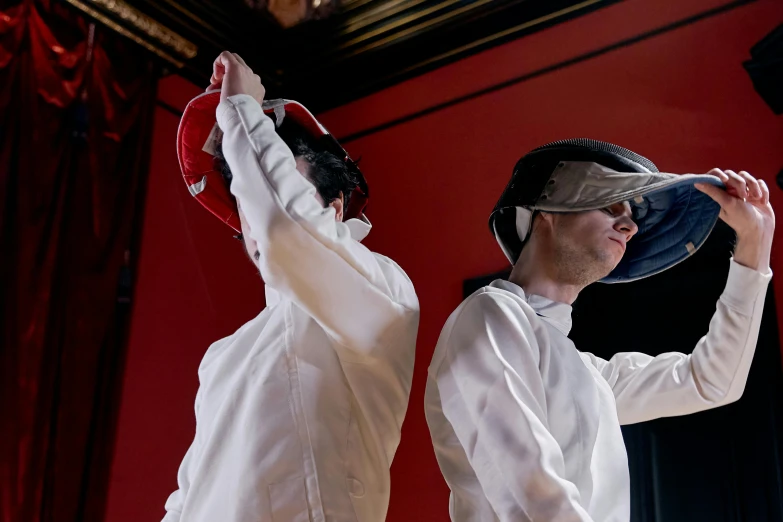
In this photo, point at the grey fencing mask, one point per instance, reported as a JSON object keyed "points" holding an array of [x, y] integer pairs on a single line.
{"points": [[674, 218]]}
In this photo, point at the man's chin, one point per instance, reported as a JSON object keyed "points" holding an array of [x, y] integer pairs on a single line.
{"points": [[607, 266], [611, 268]]}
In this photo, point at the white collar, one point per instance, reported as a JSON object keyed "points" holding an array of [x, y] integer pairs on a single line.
{"points": [[359, 227], [556, 314]]}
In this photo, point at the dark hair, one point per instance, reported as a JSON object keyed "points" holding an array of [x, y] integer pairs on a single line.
{"points": [[330, 175], [221, 164]]}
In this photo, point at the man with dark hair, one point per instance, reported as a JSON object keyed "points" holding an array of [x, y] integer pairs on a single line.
{"points": [[298, 413], [333, 180], [330, 175], [526, 427]]}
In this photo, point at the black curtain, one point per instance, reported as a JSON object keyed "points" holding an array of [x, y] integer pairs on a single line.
{"points": [[722, 465]]}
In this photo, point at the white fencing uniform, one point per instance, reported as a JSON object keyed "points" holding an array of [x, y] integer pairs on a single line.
{"points": [[527, 428], [299, 412]]}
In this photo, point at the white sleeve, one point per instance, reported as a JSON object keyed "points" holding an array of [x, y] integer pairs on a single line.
{"points": [[306, 255], [176, 500], [715, 373], [493, 396]]}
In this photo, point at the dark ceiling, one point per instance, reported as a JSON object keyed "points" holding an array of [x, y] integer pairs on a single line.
{"points": [[365, 45]]}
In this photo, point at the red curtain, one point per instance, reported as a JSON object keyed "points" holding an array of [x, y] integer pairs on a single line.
{"points": [[75, 117]]}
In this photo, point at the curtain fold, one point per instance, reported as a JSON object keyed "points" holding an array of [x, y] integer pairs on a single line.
{"points": [[76, 107]]}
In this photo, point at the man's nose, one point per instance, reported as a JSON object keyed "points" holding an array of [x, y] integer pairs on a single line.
{"points": [[625, 225]]}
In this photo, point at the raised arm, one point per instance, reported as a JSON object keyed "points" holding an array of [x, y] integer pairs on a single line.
{"points": [[716, 372], [305, 254]]}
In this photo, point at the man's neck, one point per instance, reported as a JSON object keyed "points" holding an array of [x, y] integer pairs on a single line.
{"points": [[537, 278]]}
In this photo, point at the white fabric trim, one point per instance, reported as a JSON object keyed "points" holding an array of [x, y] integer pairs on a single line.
{"points": [[197, 188]]}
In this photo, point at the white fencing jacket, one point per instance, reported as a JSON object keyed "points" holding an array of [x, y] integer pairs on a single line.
{"points": [[527, 428], [298, 413]]}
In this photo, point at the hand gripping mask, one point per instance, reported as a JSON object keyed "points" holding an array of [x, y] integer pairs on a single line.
{"points": [[199, 135], [674, 218]]}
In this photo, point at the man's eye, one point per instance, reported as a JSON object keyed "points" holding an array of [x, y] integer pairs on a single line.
{"points": [[608, 211]]}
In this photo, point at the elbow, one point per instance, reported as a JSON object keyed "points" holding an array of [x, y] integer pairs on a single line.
{"points": [[728, 395], [719, 385], [734, 394]]}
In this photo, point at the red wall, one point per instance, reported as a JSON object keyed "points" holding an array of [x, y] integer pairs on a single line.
{"points": [[193, 287], [680, 98]]}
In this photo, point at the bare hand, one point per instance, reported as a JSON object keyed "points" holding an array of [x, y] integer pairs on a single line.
{"points": [[745, 207], [232, 76]]}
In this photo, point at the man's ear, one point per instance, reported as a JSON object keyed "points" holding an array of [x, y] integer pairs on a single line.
{"points": [[338, 203], [542, 218]]}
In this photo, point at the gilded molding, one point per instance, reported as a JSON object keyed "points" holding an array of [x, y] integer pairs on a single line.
{"points": [[131, 23]]}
